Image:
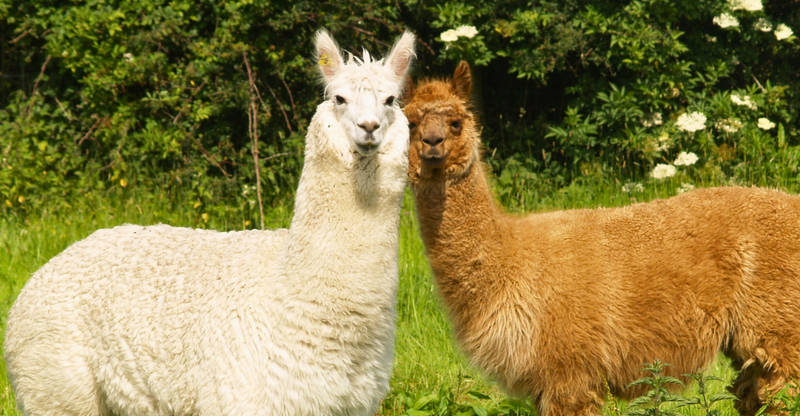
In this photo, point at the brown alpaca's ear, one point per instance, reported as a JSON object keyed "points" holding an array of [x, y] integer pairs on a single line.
{"points": [[462, 81]]}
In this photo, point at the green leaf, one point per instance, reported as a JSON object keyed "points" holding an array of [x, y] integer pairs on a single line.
{"points": [[425, 400], [480, 411], [478, 395], [722, 396]]}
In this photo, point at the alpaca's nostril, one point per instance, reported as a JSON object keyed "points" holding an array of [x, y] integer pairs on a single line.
{"points": [[432, 140], [370, 126]]}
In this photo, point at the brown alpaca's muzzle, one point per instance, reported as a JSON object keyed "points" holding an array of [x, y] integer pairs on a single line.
{"points": [[433, 151]]}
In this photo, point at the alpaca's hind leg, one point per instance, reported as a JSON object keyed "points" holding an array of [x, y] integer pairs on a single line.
{"points": [[53, 384], [745, 387], [762, 377]]}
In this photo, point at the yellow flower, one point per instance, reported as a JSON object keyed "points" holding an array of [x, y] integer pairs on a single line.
{"points": [[205, 217], [197, 204], [123, 183], [247, 223], [21, 199]]}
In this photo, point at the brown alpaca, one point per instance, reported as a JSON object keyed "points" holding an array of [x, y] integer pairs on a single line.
{"points": [[549, 304]]}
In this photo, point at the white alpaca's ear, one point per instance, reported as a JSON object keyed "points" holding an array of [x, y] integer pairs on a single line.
{"points": [[329, 58], [399, 59]]}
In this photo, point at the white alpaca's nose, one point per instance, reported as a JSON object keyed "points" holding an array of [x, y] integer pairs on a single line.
{"points": [[369, 125]]}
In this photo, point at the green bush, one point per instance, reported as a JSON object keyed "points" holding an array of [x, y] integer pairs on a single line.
{"points": [[606, 83], [156, 93], [99, 95]]}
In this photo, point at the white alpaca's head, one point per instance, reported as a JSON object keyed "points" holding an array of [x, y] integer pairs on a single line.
{"points": [[364, 92]]}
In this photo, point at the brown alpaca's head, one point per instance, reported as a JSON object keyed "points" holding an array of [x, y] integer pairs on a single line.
{"points": [[444, 143]]}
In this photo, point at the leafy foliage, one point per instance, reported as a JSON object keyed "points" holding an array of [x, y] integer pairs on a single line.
{"points": [[785, 401], [444, 403], [703, 399], [658, 393], [98, 95]]}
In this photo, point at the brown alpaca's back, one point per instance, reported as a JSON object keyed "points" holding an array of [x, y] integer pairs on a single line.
{"points": [[549, 304]]}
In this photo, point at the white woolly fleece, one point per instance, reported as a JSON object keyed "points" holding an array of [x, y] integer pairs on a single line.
{"points": [[173, 321]]}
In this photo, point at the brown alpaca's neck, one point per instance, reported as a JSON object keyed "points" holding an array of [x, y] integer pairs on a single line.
{"points": [[462, 228]]}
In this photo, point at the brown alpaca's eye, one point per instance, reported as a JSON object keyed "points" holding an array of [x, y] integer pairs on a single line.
{"points": [[412, 126], [456, 124], [340, 99], [390, 100]]}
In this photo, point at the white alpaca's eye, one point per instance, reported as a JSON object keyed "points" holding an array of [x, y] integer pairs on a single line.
{"points": [[340, 100], [390, 100]]}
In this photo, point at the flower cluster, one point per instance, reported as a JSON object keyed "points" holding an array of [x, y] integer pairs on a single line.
{"points": [[662, 171], [783, 32], [763, 25], [765, 124], [663, 142], [749, 5], [743, 101], [691, 122], [452, 35], [653, 120], [632, 187], [685, 187], [726, 20], [728, 125], [685, 159]]}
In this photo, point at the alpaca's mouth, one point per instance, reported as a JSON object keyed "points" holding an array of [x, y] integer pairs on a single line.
{"points": [[433, 156], [367, 145], [433, 161], [366, 149]]}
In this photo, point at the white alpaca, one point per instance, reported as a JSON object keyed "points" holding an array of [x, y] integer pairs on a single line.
{"points": [[174, 321]]}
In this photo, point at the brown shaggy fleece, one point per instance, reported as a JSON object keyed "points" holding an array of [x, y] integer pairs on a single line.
{"points": [[550, 304]]}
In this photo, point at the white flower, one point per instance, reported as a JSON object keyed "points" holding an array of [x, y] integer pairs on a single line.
{"points": [[765, 124], [449, 35], [725, 20], [782, 32], [631, 187], [653, 120], [452, 35], [685, 159], [743, 101], [749, 5], [663, 142], [691, 122], [763, 25], [466, 31], [662, 171], [128, 56], [728, 125], [685, 187]]}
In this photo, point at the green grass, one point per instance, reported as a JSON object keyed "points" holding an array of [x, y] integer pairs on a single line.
{"points": [[426, 358]]}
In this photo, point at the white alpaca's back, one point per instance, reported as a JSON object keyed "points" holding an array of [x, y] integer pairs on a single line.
{"points": [[161, 320]]}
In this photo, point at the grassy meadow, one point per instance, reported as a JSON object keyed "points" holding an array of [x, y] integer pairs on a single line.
{"points": [[430, 374]]}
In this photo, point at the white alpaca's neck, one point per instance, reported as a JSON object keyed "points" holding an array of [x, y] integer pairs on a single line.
{"points": [[343, 240]]}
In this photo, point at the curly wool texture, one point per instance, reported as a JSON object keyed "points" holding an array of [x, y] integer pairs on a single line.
{"points": [[553, 304], [160, 320]]}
